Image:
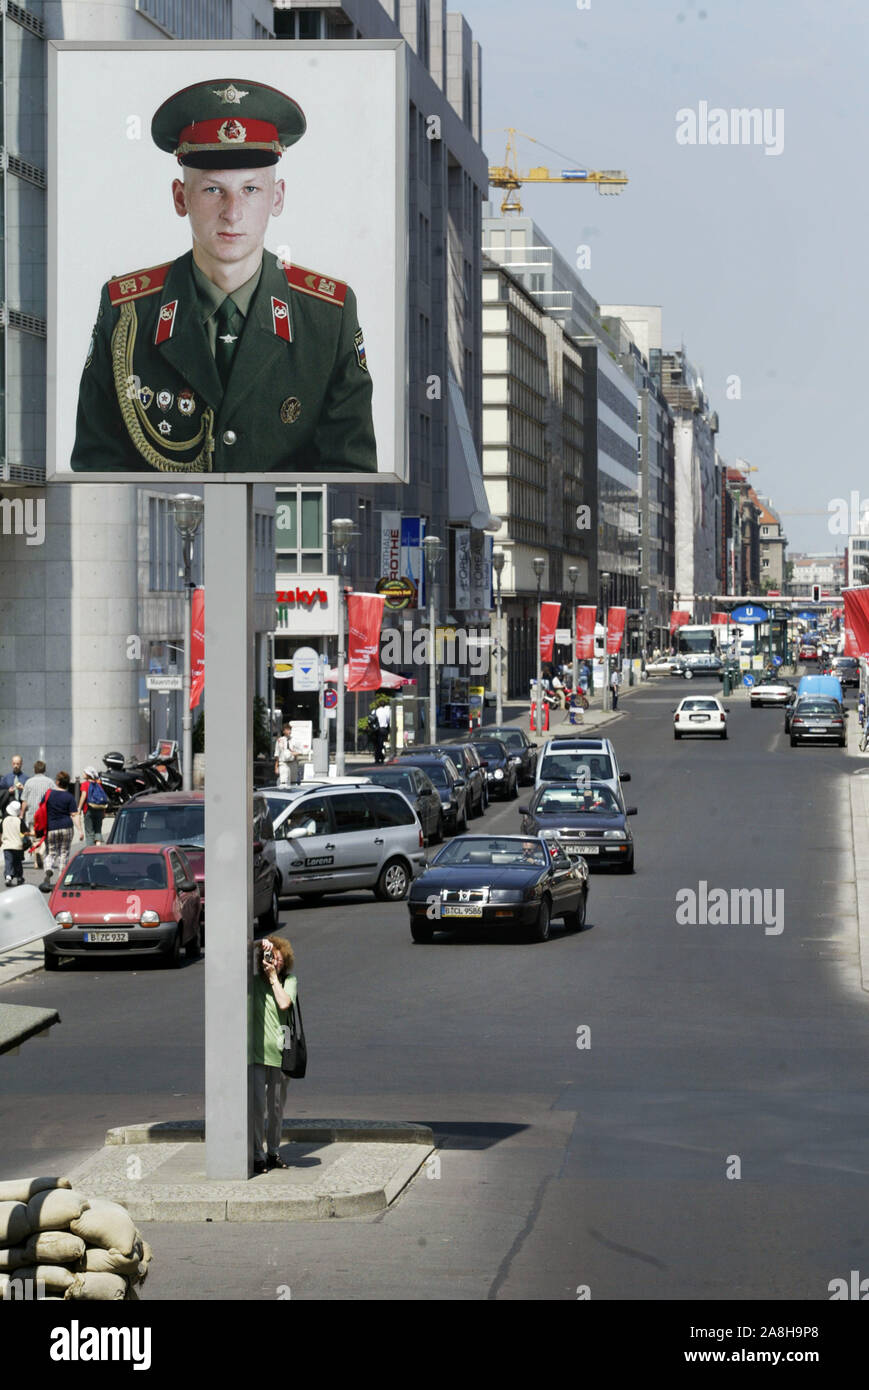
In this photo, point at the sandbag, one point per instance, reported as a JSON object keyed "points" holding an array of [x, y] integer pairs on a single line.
{"points": [[50, 1277], [106, 1224], [15, 1223], [100, 1261], [22, 1189], [85, 1287], [14, 1256], [55, 1210], [55, 1247]]}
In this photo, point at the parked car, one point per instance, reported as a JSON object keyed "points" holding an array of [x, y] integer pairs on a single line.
{"points": [[178, 818], [816, 719], [450, 786], [562, 758], [499, 881], [519, 746], [339, 838], [420, 791], [590, 822], [700, 714], [125, 900], [847, 668], [500, 768], [466, 760]]}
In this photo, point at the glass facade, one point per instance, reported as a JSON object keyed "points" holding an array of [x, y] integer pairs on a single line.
{"points": [[299, 530]]}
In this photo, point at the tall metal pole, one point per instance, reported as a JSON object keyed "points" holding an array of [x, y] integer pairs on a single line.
{"points": [[432, 550], [186, 712], [539, 564], [605, 694], [573, 575], [498, 558], [342, 531]]}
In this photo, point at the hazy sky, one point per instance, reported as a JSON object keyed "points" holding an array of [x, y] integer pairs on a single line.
{"points": [[758, 260]]}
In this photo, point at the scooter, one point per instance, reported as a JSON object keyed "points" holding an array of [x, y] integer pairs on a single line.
{"points": [[162, 772], [119, 782]]}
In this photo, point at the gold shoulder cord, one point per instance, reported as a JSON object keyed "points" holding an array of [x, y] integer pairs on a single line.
{"points": [[133, 414]]}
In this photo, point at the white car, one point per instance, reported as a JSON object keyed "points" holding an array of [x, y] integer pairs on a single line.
{"points": [[700, 714], [771, 692], [661, 666]]}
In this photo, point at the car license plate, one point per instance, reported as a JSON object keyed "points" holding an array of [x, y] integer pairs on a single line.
{"points": [[108, 937], [588, 849], [815, 724], [698, 718], [462, 910]]}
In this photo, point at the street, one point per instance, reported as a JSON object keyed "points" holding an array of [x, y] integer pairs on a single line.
{"points": [[705, 1139]]}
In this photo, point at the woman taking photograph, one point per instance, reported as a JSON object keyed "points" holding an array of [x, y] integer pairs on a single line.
{"points": [[274, 989]]}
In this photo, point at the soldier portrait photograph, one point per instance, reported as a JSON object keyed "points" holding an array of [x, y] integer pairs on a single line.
{"points": [[232, 357]]}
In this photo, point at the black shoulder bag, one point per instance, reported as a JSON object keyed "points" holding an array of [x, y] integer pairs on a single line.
{"points": [[294, 1060]]}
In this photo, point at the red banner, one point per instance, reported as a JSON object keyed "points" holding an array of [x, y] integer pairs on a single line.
{"points": [[585, 622], [856, 621], [364, 617], [548, 623], [678, 618], [197, 647], [721, 619], [615, 629]]}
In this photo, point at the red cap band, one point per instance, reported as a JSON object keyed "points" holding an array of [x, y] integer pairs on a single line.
{"points": [[228, 133]]}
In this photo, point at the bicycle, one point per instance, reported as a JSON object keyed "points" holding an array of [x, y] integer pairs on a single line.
{"points": [[864, 738]]}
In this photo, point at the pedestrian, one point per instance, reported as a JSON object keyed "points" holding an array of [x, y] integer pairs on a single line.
{"points": [[62, 815], [14, 842], [383, 715], [274, 989], [12, 784], [615, 682], [92, 805], [285, 758], [242, 362], [34, 790], [558, 688]]}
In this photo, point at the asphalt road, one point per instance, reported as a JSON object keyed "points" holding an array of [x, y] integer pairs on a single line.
{"points": [[715, 1050]]}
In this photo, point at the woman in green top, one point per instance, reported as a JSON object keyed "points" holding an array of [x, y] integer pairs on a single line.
{"points": [[274, 990]]}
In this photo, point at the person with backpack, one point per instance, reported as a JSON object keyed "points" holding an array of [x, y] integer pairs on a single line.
{"points": [[61, 815], [92, 805]]}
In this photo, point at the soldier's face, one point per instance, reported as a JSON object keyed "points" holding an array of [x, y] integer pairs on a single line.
{"points": [[229, 209]]}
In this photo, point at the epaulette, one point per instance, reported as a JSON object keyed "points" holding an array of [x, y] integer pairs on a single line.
{"points": [[313, 283], [138, 283]]}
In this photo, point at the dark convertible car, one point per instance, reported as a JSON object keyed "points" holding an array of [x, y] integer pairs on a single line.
{"points": [[499, 881]]}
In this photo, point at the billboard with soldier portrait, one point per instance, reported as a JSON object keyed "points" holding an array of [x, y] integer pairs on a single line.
{"points": [[227, 262]]}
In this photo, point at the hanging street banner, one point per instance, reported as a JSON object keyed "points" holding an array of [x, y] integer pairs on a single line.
{"points": [[585, 623], [856, 621], [364, 618], [197, 647], [615, 629], [548, 623]]}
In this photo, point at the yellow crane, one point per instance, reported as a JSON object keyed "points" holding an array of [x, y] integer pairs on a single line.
{"points": [[508, 177]]}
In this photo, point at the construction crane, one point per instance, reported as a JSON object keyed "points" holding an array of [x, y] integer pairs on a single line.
{"points": [[507, 175]]}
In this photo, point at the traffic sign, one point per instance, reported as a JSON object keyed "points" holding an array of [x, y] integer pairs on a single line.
{"points": [[748, 679], [164, 683], [330, 699], [306, 672], [562, 636], [776, 661]]}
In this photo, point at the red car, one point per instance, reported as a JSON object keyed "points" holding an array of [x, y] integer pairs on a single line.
{"points": [[130, 900], [808, 651]]}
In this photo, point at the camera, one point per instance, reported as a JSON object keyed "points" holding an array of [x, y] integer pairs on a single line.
{"points": [[268, 953]]}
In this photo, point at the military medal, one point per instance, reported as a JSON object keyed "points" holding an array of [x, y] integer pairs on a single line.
{"points": [[165, 321], [281, 319], [291, 410], [146, 395], [164, 427], [164, 399], [186, 402]]}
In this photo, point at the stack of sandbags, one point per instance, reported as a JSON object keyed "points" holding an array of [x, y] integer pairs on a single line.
{"points": [[55, 1243]]}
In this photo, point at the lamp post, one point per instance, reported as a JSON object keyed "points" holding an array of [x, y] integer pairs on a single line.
{"points": [[573, 575], [498, 558], [432, 551], [342, 532], [644, 594], [539, 565], [187, 516], [604, 598]]}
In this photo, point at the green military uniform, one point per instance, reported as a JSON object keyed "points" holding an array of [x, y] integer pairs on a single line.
{"points": [[160, 392], [298, 395]]}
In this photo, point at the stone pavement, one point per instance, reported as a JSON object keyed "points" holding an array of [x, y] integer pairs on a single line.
{"points": [[336, 1168]]}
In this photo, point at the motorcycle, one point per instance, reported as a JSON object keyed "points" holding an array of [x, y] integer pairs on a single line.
{"points": [[162, 772], [121, 783]]}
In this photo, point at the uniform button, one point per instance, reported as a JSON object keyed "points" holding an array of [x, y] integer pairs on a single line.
{"points": [[229, 436]]}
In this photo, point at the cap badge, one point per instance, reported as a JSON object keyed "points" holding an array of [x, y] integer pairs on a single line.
{"points": [[231, 132], [231, 95]]}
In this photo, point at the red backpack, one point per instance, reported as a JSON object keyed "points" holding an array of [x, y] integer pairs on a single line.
{"points": [[40, 815]]}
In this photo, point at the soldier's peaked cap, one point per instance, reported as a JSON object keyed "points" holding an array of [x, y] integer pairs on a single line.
{"points": [[227, 123]]}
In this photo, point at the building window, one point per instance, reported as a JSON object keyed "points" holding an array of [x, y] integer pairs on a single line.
{"points": [[181, 21], [299, 540]]}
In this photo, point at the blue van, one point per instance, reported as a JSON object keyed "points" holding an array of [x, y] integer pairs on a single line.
{"points": [[821, 685]]}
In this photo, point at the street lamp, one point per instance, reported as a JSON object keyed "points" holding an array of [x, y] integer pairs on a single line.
{"points": [[187, 516], [573, 575], [342, 532], [604, 598], [498, 558], [644, 594], [432, 550], [539, 565]]}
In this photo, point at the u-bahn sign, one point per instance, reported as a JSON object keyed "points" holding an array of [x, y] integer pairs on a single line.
{"points": [[748, 613]]}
